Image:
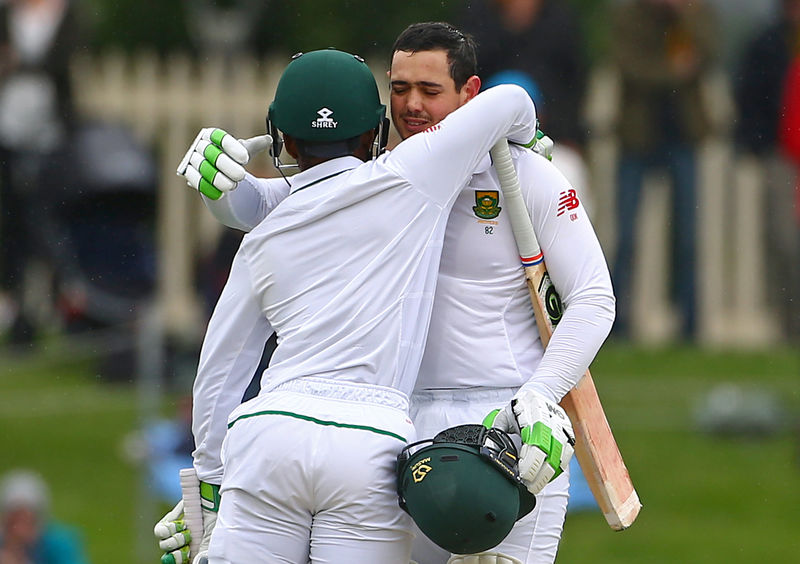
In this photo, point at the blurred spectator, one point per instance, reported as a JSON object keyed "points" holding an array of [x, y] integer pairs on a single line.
{"points": [[37, 38], [538, 44], [542, 39], [662, 49], [28, 535], [767, 91], [163, 447]]}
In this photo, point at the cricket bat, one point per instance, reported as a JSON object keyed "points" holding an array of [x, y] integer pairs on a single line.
{"points": [[192, 510], [595, 446]]}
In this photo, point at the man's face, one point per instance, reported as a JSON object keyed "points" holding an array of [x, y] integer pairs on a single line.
{"points": [[423, 92], [21, 527]]}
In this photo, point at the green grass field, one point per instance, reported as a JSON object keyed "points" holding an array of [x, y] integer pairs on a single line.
{"points": [[706, 499]]}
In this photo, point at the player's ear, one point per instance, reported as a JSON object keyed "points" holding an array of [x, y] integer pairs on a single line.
{"points": [[471, 88], [290, 145]]}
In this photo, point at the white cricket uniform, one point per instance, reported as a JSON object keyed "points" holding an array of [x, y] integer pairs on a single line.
{"points": [[344, 271], [483, 343]]}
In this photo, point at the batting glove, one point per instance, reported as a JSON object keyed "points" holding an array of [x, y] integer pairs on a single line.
{"points": [[543, 145], [174, 537], [214, 163], [548, 439]]}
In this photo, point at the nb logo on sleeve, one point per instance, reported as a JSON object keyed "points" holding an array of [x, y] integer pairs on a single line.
{"points": [[567, 200]]}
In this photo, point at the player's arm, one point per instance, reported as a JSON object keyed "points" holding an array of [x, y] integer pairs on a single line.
{"points": [[253, 199], [231, 352], [214, 166], [547, 434], [441, 159], [577, 266]]}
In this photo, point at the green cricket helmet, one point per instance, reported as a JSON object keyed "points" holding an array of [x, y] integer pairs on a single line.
{"points": [[326, 96], [462, 488]]}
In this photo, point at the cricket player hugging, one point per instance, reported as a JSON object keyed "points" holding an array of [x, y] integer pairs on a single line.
{"points": [[482, 355]]}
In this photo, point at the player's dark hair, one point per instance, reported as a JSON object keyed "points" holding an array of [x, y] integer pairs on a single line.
{"points": [[433, 36]]}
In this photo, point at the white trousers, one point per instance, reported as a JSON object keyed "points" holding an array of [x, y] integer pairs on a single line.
{"points": [[310, 477], [534, 538]]}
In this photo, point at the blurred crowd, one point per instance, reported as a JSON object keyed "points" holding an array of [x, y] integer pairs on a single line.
{"points": [[78, 196], [28, 532], [77, 227]]}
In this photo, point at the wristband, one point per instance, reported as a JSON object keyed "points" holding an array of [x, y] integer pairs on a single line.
{"points": [[209, 496]]}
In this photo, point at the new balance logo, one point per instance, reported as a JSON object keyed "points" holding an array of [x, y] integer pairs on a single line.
{"points": [[567, 200], [324, 120]]}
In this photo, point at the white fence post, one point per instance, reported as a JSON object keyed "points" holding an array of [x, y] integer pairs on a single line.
{"points": [[166, 101]]}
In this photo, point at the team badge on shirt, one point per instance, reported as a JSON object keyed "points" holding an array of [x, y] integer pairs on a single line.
{"points": [[486, 204]]}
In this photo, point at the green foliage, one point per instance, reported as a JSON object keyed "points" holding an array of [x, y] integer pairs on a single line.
{"points": [[130, 25], [361, 26], [706, 499]]}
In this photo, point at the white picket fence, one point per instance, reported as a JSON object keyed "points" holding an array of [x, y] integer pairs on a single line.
{"points": [[166, 101]]}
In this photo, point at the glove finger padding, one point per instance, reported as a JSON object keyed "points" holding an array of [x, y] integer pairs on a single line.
{"points": [[214, 163], [547, 439], [176, 557], [543, 145], [173, 536], [503, 419], [178, 540], [229, 145]]}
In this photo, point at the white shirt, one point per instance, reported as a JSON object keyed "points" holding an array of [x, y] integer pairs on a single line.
{"points": [[483, 332], [344, 268]]}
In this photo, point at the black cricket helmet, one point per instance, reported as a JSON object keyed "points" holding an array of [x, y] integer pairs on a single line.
{"points": [[462, 488]]}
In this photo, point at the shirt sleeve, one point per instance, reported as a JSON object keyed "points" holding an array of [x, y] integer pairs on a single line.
{"points": [[251, 201], [577, 267], [231, 352], [441, 159]]}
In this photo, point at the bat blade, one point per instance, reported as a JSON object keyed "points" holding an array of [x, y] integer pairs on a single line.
{"points": [[599, 456], [595, 447]]}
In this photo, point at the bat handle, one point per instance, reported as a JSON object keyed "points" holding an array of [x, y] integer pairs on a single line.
{"points": [[518, 215], [192, 510]]}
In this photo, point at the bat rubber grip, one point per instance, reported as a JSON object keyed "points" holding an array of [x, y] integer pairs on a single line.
{"points": [[192, 510], [527, 244]]}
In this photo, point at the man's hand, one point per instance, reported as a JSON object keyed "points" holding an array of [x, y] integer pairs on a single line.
{"points": [[214, 163], [547, 436], [173, 536]]}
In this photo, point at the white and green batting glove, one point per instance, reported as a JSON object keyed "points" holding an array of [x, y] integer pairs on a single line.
{"points": [[548, 439], [543, 145], [174, 536], [209, 501], [215, 161]]}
